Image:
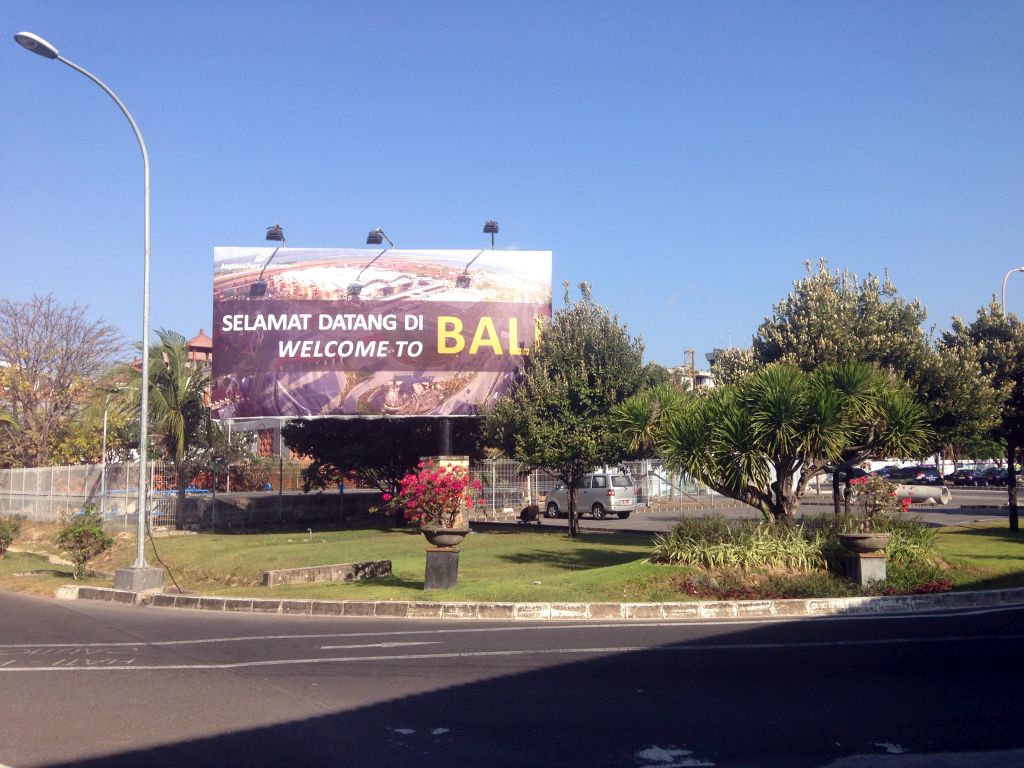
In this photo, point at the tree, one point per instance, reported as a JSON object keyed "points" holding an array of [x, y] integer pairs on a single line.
{"points": [[641, 417], [557, 415], [964, 405], [998, 340], [761, 441], [178, 412], [376, 452], [885, 420], [733, 364], [53, 355], [830, 317]]}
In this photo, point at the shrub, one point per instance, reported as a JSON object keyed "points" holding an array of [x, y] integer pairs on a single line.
{"points": [[713, 542], [737, 585], [10, 529], [911, 542], [82, 538], [747, 560]]}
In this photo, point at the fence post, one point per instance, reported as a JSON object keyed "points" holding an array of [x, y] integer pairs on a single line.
{"points": [[494, 483], [280, 489], [213, 509]]}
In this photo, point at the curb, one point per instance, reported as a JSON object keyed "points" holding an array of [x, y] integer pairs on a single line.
{"points": [[693, 611]]}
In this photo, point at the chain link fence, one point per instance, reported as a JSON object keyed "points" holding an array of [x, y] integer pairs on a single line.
{"points": [[268, 493]]}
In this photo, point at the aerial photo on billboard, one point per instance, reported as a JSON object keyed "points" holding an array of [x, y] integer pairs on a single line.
{"points": [[307, 332]]}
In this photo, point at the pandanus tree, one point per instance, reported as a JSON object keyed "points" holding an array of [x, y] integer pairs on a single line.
{"points": [[884, 419], [761, 441]]}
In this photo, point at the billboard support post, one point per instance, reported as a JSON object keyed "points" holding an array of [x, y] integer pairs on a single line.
{"points": [[444, 442]]}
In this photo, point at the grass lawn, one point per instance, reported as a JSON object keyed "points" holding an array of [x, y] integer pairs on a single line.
{"points": [[497, 565], [984, 556]]}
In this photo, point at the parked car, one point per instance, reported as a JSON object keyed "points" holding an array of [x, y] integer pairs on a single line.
{"points": [[598, 493], [916, 476], [853, 474], [973, 477], [997, 476]]}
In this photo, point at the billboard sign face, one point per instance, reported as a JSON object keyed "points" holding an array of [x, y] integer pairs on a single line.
{"points": [[355, 332]]}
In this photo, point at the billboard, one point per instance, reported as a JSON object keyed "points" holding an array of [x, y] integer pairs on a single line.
{"points": [[306, 332]]}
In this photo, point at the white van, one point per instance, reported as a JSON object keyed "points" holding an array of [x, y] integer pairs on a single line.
{"points": [[599, 493]]}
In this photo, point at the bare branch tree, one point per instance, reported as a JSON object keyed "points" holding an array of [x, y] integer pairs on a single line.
{"points": [[51, 354]]}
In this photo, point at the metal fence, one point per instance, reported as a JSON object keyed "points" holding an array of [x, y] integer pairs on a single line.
{"points": [[269, 493], [507, 489], [47, 493]]}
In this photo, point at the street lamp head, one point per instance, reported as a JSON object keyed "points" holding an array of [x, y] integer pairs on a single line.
{"points": [[275, 233], [377, 236], [36, 44]]}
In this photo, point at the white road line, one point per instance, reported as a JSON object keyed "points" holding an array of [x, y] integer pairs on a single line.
{"points": [[533, 627], [378, 645], [696, 648]]}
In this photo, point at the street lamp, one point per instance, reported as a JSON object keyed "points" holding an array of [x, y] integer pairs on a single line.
{"points": [[259, 288], [139, 577], [490, 228], [1017, 269], [375, 237]]}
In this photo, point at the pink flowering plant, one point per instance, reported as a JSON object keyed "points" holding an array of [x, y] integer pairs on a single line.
{"points": [[878, 503], [433, 497]]}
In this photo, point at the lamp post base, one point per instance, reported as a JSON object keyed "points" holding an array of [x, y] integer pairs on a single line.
{"points": [[145, 579]]}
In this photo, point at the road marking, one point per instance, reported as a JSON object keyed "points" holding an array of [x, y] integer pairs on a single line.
{"points": [[693, 648], [534, 627], [378, 645]]}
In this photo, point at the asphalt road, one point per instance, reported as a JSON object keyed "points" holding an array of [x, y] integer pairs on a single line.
{"points": [[95, 684], [967, 505]]}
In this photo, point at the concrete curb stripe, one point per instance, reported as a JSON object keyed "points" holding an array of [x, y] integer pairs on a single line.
{"points": [[697, 611]]}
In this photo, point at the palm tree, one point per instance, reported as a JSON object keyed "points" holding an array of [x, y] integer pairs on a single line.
{"points": [[761, 441], [8, 420], [178, 409]]}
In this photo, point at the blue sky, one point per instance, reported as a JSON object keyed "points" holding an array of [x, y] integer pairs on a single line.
{"points": [[685, 158]]}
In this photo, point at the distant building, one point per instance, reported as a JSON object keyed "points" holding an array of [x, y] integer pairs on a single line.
{"points": [[687, 376], [200, 348]]}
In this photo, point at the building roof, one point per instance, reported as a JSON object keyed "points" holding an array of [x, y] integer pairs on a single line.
{"points": [[200, 341]]}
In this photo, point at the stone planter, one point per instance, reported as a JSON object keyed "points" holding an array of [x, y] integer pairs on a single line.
{"points": [[445, 537], [863, 543], [442, 571]]}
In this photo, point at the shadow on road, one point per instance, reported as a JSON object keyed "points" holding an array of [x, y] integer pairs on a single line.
{"points": [[775, 702]]}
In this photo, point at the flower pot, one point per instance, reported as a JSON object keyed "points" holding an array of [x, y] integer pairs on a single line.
{"points": [[863, 543], [445, 537]]}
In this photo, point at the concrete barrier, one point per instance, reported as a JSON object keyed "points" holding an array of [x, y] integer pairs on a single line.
{"points": [[338, 572]]}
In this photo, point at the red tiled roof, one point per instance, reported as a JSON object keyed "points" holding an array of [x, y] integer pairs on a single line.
{"points": [[201, 341]]}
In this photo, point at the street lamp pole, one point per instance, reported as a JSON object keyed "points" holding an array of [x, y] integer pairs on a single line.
{"points": [[103, 461], [1007, 277], [139, 577]]}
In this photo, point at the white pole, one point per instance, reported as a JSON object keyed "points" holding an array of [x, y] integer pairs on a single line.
{"points": [[103, 463], [1007, 277], [41, 47]]}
